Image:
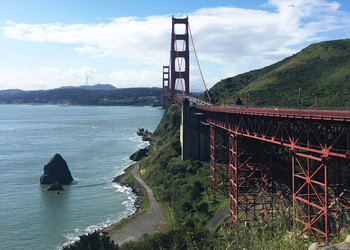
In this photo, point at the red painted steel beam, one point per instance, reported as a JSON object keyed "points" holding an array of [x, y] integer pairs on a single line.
{"points": [[255, 131]]}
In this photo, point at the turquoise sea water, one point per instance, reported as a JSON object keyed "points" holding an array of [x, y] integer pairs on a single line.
{"points": [[96, 142]]}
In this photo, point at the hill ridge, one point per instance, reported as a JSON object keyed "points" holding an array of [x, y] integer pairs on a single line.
{"points": [[322, 68]]}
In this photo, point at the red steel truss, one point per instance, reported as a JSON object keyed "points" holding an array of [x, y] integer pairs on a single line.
{"points": [[315, 146], [251, 193], [218, 161]]}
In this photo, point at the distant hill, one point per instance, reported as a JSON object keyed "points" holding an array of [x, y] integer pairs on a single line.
{"points": [[92, 87], [96, 95], [321, 68], [10, 92]]}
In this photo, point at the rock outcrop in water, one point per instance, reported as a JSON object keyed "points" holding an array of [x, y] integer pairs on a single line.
{"points": [[146, 135], [56, 170], [139, 154]]}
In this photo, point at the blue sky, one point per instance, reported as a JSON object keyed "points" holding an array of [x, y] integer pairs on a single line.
{"points": [[52, 43]]}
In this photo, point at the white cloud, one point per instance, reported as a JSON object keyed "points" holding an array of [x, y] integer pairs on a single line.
{"points": [[236, 40], [127, 78], [133, 38], [88, 50], [44, 78]]}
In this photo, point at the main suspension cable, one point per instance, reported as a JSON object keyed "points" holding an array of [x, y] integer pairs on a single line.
{"points": [[200, 70]]}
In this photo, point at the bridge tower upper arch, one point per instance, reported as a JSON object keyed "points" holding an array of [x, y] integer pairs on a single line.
{"points": [[179, 56]]}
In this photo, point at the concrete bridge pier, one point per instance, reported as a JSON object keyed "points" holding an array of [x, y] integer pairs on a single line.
{"points": [[195, 134], [165, 102]]}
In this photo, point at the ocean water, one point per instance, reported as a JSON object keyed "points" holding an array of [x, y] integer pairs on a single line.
{"points": [[96, 143]]}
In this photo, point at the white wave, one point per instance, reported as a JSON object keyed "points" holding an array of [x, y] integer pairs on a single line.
{"points": [[143, 144], [135, 138], [121, 189], [74, 181], [73, 237], [126, 162], [129, 203]]}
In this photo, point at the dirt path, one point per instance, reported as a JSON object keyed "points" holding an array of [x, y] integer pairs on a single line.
{"points": [[143, 223], [218, 218]]}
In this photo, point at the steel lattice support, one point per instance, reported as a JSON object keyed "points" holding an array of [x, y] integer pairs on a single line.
{"points": [[251, 194], [218, 160], [310, 195], [317, 147], [212, 159], [233, 166]]}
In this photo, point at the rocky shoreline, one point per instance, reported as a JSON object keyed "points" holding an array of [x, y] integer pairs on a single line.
{"points": [[137, 156], [135, 188]]}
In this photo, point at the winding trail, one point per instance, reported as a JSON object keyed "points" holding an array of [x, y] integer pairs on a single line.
{"points": [[148, 222], [218, 218]]}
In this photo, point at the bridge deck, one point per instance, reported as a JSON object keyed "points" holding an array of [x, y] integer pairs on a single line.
{"points": [[330, 115], [327, 115]]}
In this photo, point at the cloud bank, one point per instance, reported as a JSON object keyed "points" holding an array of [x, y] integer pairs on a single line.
{"points": [[228, 41]]}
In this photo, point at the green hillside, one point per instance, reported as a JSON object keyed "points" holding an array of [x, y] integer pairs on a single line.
{"points": [[321, 68]]}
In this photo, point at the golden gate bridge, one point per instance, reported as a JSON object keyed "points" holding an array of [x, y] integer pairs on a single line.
{"points": [[249, 148]]}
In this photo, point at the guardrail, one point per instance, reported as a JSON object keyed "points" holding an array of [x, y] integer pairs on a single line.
{"points": [[333, 115]]}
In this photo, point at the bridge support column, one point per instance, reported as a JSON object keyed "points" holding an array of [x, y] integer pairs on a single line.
{"points": [[165, 100], [194, 134], [179, 56], [233, 165], [251, 193], [212, 159], [310, 195], [219, 161]]}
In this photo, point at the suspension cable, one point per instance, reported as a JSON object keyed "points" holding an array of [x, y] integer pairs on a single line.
{"points": [[200, 70]]}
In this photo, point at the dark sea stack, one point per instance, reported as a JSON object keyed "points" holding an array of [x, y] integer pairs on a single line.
{"points": [[55, 186], [56, 170], [139, 154], [146, 135]]}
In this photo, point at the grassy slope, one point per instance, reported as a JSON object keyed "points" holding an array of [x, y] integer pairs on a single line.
{"points": [[322, 68], [183, 186]]}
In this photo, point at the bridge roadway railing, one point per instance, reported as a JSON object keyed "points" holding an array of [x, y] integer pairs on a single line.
{"points": [[294, 114], [331, 115]]}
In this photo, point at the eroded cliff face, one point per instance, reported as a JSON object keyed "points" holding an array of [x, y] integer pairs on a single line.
{"points": [[56, 170]]}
